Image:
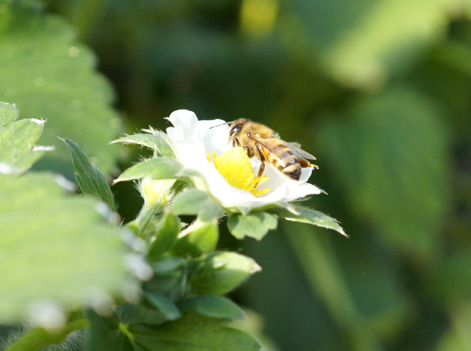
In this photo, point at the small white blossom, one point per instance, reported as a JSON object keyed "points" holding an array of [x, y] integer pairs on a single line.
{"points": [[194, 140]]}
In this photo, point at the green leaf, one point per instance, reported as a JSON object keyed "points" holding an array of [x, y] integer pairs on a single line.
{"points": [[51, 76], [302, 214], [222, 271], [213, 306], [165, 305], [104, 334], [391, 155], [194, 332], [155, 168], [36, 339], [138, 314], [166, 235], [53, 247], [255, 225], [197, 239], [8, 114], [156, 140], [170, 277], [197, 202], [17, 139], [89, 178]]}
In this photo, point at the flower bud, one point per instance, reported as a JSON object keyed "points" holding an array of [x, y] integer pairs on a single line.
{"points": [[156, 190]]}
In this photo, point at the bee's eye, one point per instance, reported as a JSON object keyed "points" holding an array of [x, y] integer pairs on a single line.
{"points": [[235, 129]]}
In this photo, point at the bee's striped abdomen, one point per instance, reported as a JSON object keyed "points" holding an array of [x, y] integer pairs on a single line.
{"points": [[284, 160]]}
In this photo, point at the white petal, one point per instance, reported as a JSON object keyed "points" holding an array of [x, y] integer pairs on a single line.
{"points": [[185, 125]]}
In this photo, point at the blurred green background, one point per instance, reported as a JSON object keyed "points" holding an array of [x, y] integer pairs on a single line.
{"points": [[378, 90]]}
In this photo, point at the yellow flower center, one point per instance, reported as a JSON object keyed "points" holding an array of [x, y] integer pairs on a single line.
{"points": [[235, 167]]}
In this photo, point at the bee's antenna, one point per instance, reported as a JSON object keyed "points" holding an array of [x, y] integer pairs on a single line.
{"points": [[221, 125]]}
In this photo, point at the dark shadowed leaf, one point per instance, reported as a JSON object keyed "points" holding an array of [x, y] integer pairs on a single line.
{"points": [[165, 305], [194, 332], [213, 306], [166, 235]]}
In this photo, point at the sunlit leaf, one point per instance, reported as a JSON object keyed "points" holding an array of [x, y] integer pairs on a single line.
{"points": [[53, 247], [196, 202], [198, 239], [255, 225], [221, 271], [155, 168], [18, 151], [50, 76], [306, 215], [156, 140]]}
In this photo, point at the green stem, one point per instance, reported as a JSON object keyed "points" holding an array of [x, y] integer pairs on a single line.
{"points": [[38, 338], [124, 329]]}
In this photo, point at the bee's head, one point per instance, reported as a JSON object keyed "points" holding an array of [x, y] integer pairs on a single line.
{"points": [[236, 126]]}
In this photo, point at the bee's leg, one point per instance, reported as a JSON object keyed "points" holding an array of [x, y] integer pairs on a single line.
{"points": [[261, 169], [262, 159]]}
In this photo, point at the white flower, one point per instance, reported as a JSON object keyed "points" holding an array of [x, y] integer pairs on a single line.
{"points": [[194, 141]]}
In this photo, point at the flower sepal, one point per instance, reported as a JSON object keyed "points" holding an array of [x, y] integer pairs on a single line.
{"points": [[255, 224], [302, 214]]}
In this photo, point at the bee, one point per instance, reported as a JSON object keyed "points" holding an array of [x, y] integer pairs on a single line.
{"points": [[265, 144]]}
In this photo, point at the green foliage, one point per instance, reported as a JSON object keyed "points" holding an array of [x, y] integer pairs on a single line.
{"points": [[37, 338], [165, 236], [47, 72], [220, 272], [194, 333], [72, 253], [377, 90], [163, 304], [66, 242], [155, 140], [155, 168], [302, 214], [18, 151], [404, 197], [197, 239], [254, 224], [89, 178], [213, 306], [197, 202]]}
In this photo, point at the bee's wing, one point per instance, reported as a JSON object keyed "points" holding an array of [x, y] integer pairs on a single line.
{"points": [[265, 143], [295, 149]]}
